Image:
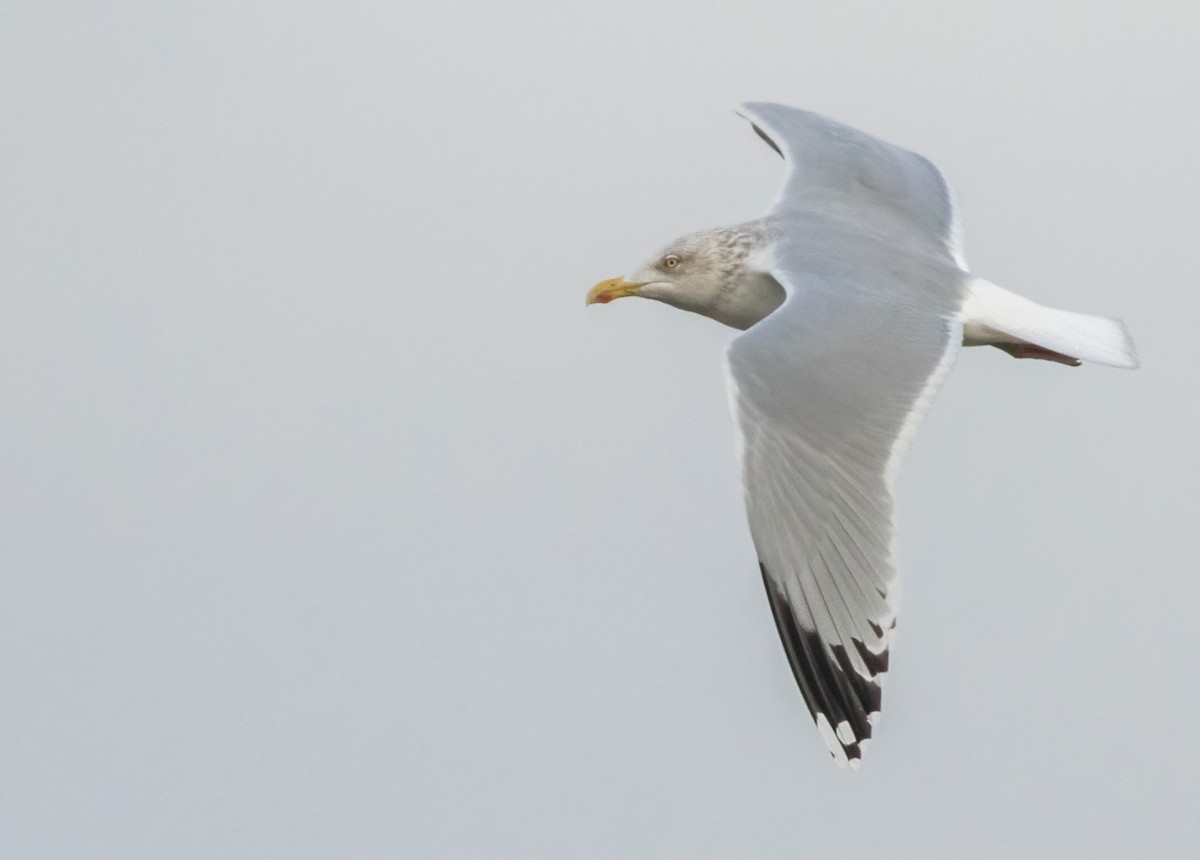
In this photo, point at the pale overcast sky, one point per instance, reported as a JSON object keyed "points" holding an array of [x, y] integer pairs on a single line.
{"points": [[332, 524]]}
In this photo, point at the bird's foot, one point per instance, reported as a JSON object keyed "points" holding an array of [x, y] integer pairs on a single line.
{"points": [[1029, 350]]}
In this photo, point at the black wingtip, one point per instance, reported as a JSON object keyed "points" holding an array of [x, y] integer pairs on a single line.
{"points": [[839, 698], [765, 137]]}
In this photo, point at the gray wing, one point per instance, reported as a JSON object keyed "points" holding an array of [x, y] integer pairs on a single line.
{"points": [[834, 169], [826, 392], [829, 389]]}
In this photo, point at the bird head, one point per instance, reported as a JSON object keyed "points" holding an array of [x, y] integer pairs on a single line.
{"points": [[690, 274]]}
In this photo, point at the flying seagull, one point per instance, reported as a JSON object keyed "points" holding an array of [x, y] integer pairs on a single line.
{"points": [[854, 297]]}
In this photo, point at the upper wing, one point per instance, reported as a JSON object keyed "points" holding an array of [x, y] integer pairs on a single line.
{"points": [[883, 187], [826, 393]]}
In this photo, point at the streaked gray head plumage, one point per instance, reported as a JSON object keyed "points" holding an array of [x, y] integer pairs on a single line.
{"points": [[715, 273]]}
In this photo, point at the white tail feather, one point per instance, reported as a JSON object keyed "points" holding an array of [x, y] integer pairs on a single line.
{"points": [[993, 315]]}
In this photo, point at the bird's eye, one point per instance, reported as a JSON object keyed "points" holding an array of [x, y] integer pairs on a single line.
{"points": [[671, 261]]}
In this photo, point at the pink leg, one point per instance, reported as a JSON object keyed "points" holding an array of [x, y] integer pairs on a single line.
{"points": [[1029, 350]]}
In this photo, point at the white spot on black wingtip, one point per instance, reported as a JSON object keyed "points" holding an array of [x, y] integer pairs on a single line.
{"points": [[836, 749]]}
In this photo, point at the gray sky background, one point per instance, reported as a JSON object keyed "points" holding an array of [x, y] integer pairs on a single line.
{"points": [[333, 525]]}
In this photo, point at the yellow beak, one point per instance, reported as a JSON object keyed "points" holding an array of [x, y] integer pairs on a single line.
{"points": [[614, 288]]}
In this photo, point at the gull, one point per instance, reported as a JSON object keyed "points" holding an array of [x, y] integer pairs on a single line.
{"points": [[853, 297]]}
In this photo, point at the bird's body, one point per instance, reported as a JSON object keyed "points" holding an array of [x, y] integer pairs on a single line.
{"points": [[855, 299]]}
